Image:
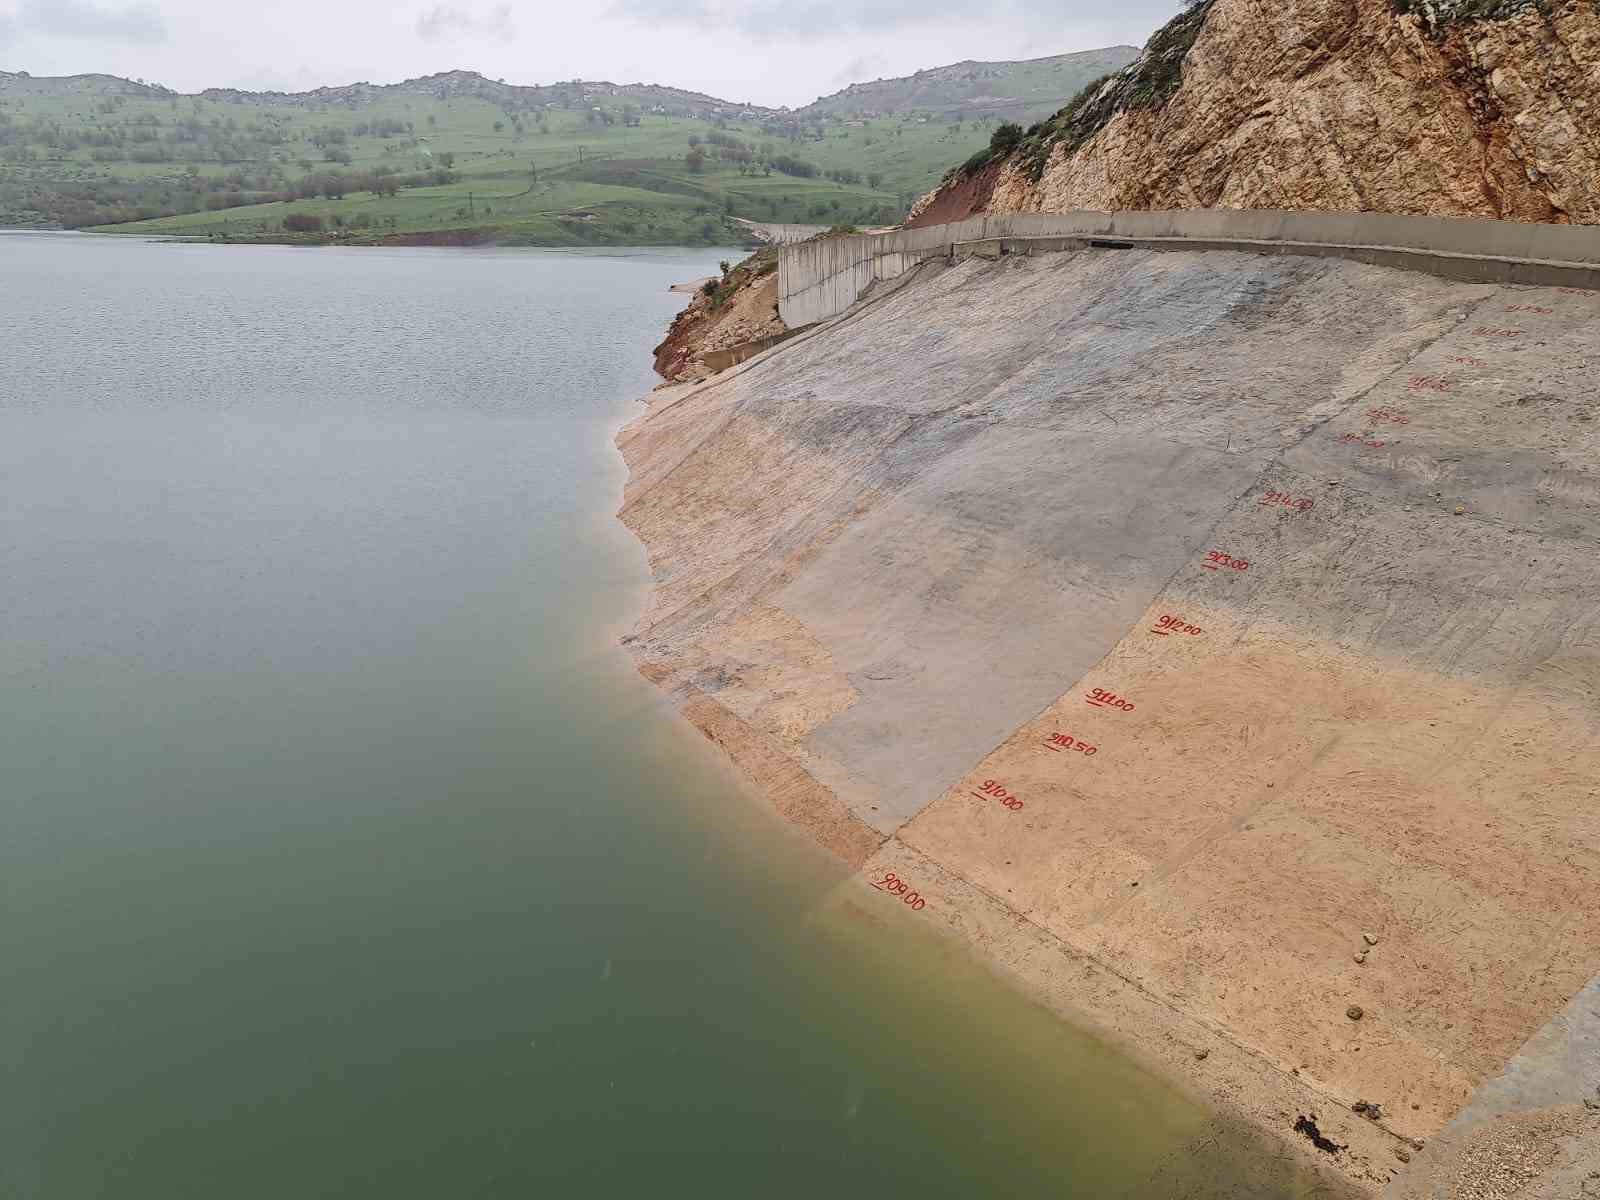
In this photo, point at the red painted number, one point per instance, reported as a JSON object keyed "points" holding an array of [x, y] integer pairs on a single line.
{"points": [[993, 791], [1471, 362], [1361, 439], [1169, 625], [1216, 560], [1286, 500], [896, 886], [1529, 308], [1065, 741], [1491, 331], [1101, 698], [1428, 383], [1393, 416]]}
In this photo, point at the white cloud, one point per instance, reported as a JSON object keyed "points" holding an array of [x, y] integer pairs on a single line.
{"points": [[725, 48], [141, 23], [446, 21], [862, 69], [833, 18]]}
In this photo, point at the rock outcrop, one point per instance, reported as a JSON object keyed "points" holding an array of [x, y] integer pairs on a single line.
{"points": [[1350, 105], [741, 306]]}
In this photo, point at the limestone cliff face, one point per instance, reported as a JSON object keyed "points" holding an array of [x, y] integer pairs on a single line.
{"points": [[1334, 105]]}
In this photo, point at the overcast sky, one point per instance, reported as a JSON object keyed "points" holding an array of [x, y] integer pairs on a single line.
{"points": [[765, 51]]}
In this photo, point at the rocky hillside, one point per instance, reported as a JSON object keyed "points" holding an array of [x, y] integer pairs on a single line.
{"points": [[446, 85], [15, 84], [969, 89], [740, 306], [443, 85], [1481, 108]]}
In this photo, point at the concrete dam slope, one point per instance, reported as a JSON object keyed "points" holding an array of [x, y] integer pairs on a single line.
{"points": [[1209, 638]]}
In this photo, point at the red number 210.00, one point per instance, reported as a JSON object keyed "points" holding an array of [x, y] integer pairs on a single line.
{"points": [[992, 788]]}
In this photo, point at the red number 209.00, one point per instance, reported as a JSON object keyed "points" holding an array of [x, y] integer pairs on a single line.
{"points": [[896, 886]]}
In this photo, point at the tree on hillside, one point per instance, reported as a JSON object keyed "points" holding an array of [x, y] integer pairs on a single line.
{"points": [[695, 160], [1005, 138]]}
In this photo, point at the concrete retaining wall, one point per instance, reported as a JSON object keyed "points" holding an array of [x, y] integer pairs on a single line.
{"points": [[721, 360], [818, 280]]}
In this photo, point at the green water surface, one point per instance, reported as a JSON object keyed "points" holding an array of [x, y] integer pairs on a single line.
{"points": [[344, 853]]}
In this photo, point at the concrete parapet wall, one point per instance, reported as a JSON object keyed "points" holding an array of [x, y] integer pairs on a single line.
{"points": [[821, 279], [721, 360], [1469, 268]]}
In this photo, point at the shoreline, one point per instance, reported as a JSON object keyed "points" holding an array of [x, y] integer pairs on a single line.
{"points": [[1227, 1078], [470, 239]]}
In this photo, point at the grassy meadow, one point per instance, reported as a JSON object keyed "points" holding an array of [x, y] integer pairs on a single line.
{"points": [[457, 157]]}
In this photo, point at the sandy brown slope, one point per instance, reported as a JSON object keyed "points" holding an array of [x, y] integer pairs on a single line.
{"points": [[900, 555]]}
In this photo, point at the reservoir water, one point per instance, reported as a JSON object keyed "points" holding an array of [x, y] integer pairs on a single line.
{"points": [[344, 853]]}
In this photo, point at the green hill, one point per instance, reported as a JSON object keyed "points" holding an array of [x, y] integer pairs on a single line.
{"points": [[1022, 91], [457, 157]]}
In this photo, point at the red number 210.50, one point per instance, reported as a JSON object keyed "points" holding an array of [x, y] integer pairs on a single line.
{"points": [[1065, 741]]}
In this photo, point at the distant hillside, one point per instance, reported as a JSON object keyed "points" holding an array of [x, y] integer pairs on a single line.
{"points": [[18, 84], [459, 158], [444, 85], [1011, 90]]}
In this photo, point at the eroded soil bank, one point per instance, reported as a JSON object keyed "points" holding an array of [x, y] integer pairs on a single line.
{"points": [[1210, 639]]}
